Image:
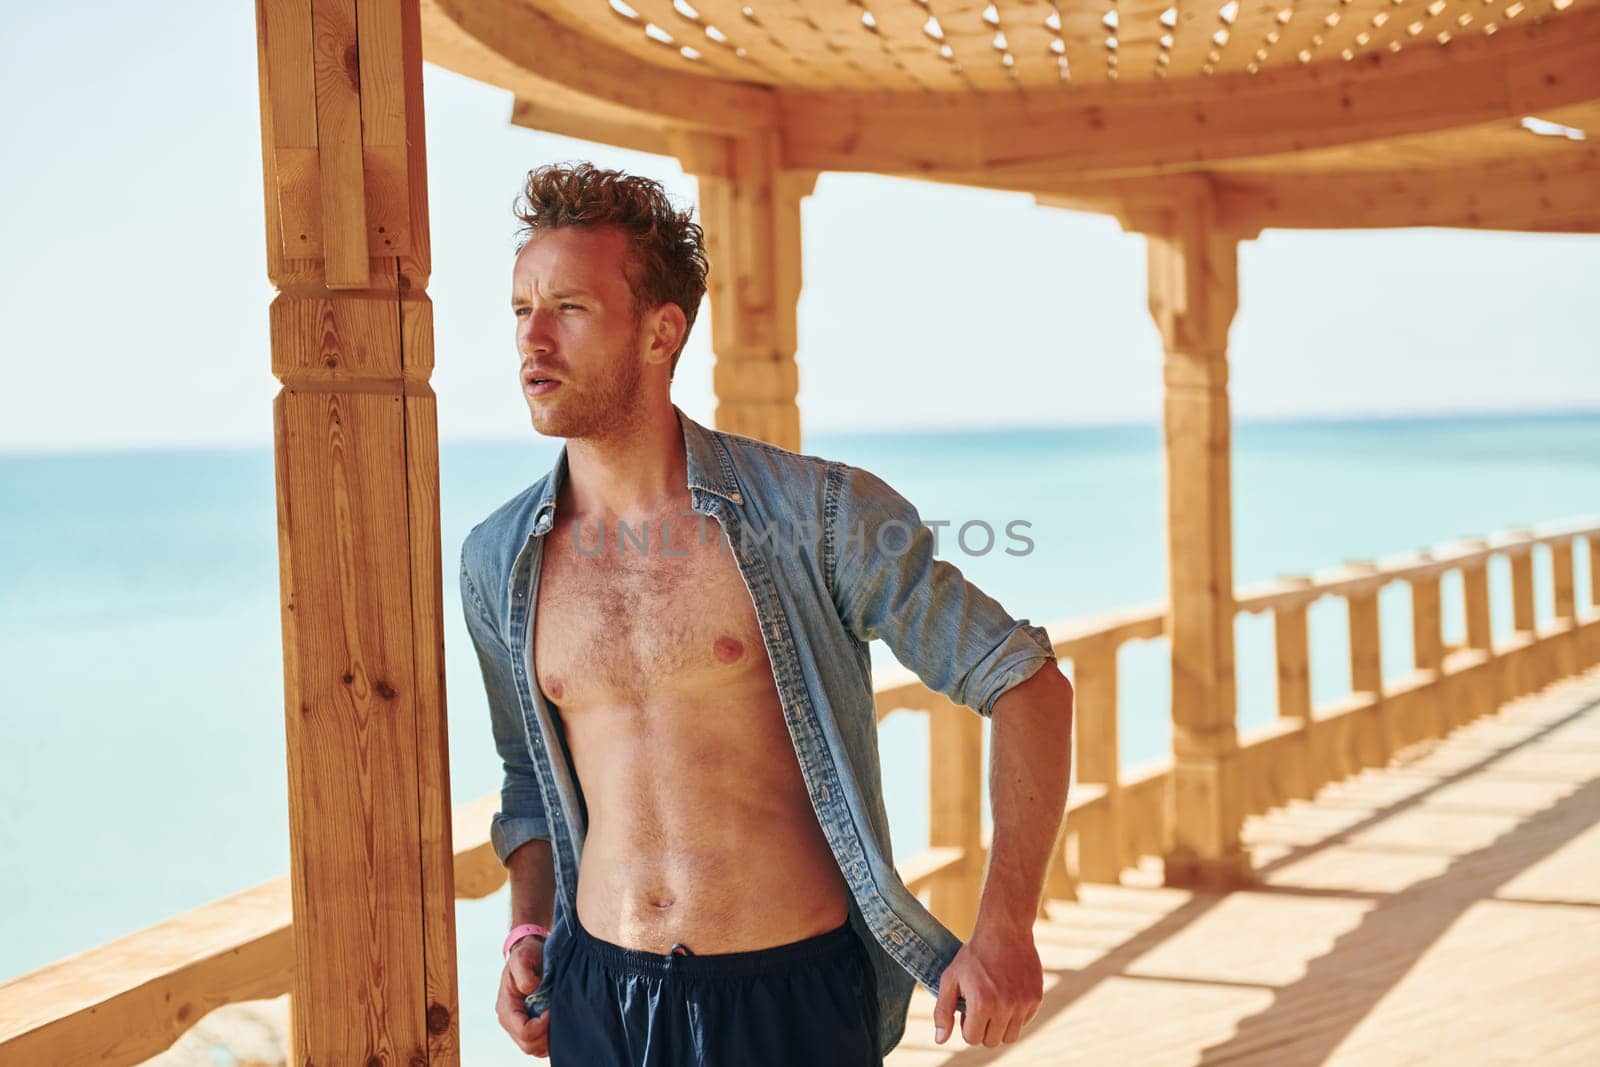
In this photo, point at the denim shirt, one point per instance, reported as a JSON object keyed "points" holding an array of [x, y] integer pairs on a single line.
{"points": [[833, 558]]}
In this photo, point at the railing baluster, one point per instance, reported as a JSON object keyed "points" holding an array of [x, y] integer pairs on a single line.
{"points": [[1366, 672], [1094, 682], [1427, 654], [1523, 673], [1566, 600], [955, 812], [1564, 653], [1522, 587], [1594, 570], [1291, 636]]}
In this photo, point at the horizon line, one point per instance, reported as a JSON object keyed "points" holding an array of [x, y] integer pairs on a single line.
{"points": [[19, 451]]}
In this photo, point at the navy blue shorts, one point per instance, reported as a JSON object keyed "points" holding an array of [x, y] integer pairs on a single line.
{"points": [[811, 1003]]}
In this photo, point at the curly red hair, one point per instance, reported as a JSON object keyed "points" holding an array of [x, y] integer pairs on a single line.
{"points": [[668, 262]]}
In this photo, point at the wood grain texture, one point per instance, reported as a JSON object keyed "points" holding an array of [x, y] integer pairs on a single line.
{"points": [[371, 856], [337, 75], [750, 214], [1193, 294]]}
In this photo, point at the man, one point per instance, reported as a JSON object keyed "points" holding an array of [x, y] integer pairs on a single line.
{"points": [[672, 625]]}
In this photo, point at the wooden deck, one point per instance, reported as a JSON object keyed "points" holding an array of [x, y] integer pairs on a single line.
{"points": [[1443, 909]]}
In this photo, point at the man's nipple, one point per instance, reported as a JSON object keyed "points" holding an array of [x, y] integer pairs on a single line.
{"points": [[727, 649]]}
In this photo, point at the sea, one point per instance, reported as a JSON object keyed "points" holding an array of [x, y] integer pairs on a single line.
{"points": [[141, 692]]}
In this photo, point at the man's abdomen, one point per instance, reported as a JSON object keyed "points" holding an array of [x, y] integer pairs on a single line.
{"points": [[700, 830]]}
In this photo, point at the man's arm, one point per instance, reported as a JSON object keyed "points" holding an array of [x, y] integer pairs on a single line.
{"points": [[533, 884], [997, 971], [962, 643], [520, 831]]}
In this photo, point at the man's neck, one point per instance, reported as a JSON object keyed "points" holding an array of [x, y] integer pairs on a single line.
{"points": [[639, 470]]}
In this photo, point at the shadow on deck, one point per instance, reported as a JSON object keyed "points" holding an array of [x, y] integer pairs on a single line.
{"points": [[1446, 907]]}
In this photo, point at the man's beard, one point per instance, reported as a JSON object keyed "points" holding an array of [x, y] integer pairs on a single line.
{"points": [[605, 408]]}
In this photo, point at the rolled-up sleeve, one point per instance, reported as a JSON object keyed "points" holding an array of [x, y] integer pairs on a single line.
{"points": [[521, 817], [887, 584]]}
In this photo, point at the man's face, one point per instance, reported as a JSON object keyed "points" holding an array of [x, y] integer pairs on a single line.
{"points": [[576, 326]]}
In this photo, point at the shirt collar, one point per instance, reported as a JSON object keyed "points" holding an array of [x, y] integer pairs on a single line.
{"points": [[706, 457]]}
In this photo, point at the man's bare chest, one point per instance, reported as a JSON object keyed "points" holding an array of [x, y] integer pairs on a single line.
{"points": [[625, 622]]}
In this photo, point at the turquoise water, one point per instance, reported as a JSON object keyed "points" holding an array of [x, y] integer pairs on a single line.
{"points": [[142, 771]]}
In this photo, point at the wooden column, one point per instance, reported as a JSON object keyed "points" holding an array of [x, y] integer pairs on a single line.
{"points": [[1193, 295], [750, 212], [370, 855]]}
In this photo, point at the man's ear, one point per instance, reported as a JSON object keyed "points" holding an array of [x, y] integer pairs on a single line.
{"points": [[667, 325]]}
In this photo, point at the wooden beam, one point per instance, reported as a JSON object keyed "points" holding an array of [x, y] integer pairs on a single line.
{"points": [[1025, 138], [1552, 191], [371, 872], [516, 46], [1508, 195], [1193, 296], [591, 124], [750, 211]]}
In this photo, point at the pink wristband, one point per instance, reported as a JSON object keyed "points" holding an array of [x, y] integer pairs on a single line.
{"points": [[519, 932]]}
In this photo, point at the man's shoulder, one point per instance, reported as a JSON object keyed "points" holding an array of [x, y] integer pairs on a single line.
{"points": [[492, 545], [834, 484], [759, 461]]}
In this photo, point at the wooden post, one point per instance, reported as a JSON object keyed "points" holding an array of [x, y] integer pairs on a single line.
{"points": [[1475, 598], [750, 211], [1193, 269], [955, 812], [1292, 646], [1529, 665], [1094, 685], [1564, 578], [1366, 673], [1427, 651], [370, 855], [1594, 570], [1522, 591], [1427, 636], [1482, 689]]}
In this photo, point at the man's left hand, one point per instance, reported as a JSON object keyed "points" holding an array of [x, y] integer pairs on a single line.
{"points": [[999, 974]]}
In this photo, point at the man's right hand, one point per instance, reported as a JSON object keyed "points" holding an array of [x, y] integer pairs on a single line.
{"points": [[521, 977]]}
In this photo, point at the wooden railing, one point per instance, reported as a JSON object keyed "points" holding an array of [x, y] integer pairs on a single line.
{"points": [[1116, 817], [125, 1001]]}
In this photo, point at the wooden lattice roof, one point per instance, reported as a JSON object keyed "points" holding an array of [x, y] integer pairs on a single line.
{"points": [[1299, 112]]}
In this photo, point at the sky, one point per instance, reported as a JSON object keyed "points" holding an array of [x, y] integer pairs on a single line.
{"points": [[135, 292]]}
